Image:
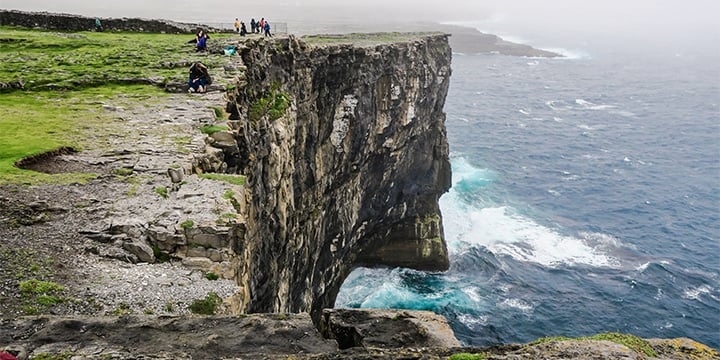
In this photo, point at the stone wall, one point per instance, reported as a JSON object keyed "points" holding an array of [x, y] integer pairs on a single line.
{"points": [[352, 172], [67, 22]]}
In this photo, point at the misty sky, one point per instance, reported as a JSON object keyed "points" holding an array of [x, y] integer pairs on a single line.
{"points": [[643, 20]]}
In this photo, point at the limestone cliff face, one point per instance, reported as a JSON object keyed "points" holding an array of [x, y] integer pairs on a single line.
{"points": [[349, 174]]}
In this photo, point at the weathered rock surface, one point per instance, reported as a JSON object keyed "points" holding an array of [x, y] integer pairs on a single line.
{"points": [[383, 334], [387, 329], [349, 175]]}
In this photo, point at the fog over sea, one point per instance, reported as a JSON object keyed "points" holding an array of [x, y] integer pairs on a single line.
{"points": [[586, 189]]}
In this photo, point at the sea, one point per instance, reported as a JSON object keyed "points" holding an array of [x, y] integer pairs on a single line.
{"points": [[585, 199], [585, 189]]}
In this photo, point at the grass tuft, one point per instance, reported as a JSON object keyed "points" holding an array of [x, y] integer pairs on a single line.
{"points": [[211, 129], [207, 306], [228, 178]]}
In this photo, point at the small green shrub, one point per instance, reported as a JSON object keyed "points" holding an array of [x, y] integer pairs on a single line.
{"points": [[39, 287], [206, 306], [187, 224], [211, 276], [160, 256], [169, 307], [123, 171], [122, 309], [229, 194], [274, 104], [162, 192], [211, 129], [219, 112], [48, 300]]}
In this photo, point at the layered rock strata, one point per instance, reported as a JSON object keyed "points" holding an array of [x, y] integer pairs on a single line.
{"points": [[345, 153]]}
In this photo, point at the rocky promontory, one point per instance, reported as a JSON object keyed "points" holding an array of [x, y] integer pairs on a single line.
{"points": [[250, 204]]}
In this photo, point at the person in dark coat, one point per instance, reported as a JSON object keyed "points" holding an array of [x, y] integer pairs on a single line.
{"points": [[266, 27], [243, 29], [199, 78]]}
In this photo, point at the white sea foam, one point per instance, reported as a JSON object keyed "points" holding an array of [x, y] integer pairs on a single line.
{"points": [[523, 111], [473, 322], [519, 304], [505, 232], [558, 105], [695, 292], [592, 106], [473, 293]]}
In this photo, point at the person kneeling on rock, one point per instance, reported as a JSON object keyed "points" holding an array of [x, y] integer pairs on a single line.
{"points": [[199, 78]]}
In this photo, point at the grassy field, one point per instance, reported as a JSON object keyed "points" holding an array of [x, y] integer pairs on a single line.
{"points": [[66, 76]]}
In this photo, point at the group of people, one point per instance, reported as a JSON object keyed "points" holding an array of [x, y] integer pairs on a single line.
{"points": [[199, 75], [256, 27]]}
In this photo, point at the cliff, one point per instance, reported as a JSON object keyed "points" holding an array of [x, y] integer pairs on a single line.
{"points": [[350, 174], [342, 141]]}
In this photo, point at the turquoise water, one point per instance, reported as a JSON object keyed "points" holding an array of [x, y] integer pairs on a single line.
{"points": [[585, 198]]}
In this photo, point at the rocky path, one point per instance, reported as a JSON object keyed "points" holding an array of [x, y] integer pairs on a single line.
{"points": [[81, 236]]}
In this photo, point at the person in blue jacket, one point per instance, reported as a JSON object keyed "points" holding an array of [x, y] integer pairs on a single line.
{"points": [[267, 29]]}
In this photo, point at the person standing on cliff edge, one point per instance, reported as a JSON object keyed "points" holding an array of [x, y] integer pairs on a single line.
{"points": [[237, 25], [98, 25], [266, 27]]}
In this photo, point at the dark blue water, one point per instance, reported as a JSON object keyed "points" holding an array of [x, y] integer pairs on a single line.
{"points": [[585, 199]]}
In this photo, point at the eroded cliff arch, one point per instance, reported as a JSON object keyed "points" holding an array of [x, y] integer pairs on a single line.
{"points": [[351, 171]]}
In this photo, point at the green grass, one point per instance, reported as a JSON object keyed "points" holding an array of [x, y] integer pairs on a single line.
{"points": [[274, 104], [211, 129], [211, 276], [67, 77], [35, 286], [187, 224], [207, 306], [162, 191], [228, 178], [38, 122], [53, 60], [220, 113], [467, 356], [38, 295]]}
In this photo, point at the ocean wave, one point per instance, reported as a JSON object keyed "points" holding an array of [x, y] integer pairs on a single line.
{"points": [[473, 322], [505, 233], [558, 105], [592, 106], [519, 304], [695, 293]]}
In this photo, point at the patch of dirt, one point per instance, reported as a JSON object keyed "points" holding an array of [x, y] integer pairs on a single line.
{"points": [[53, 162]]}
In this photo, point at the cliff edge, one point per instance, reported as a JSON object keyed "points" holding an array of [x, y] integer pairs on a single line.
{"points": [[350, 174]]}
